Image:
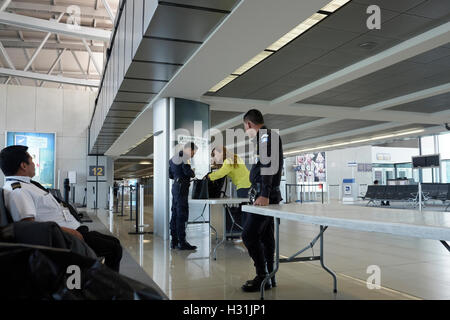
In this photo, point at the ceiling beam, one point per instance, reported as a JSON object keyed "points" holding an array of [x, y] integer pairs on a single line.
{"points": [[8, 62], [419, 95], [4, 5], [109, 10], [49, 78], [49, 45], [91, 55], [84, 12], [58, 58], [26, 22], [38, 50], [426, 41]]}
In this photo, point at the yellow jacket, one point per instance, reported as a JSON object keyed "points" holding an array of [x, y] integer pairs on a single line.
{"points": [[240, 175]]}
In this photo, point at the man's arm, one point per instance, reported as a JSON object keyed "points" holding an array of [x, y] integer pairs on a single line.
{"points": [[187, 170], [20, 204], [67, 230]]}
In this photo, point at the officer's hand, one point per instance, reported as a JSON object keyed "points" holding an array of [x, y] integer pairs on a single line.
{"points": [[261, 201]]}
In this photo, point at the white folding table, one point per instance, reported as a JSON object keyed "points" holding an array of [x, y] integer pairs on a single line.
{"points": [[225, 202], [409, 223]]}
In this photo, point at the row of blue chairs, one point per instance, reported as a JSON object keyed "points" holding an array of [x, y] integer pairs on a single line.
{"points": [[408, 193]]}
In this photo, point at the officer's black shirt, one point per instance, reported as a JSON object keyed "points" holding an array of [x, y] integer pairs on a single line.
{"points": [[180, 170], [268, 182]]}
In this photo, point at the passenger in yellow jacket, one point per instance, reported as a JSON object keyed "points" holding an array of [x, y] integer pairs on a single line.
{"points": [[234, 167]]}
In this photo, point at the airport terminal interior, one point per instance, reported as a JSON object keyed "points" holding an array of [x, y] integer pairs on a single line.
{"points": [[105, 92]]}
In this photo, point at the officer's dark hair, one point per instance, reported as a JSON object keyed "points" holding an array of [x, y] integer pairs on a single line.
{"points": [[254, 116], [191, 145], [11, 158]]}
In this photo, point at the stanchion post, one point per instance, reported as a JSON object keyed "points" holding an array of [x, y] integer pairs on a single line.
{"points": [[111, 199], [131, 204], [420, 197], [322, 192], [139, 228], [301, 193]]}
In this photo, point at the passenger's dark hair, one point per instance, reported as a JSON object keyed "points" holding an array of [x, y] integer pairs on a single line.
{"points": [[375, 182], [254, 116], [190, 145], [11, 158]]}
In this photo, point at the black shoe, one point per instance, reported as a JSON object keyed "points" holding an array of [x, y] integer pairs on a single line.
{"points": [[186, 246], [173, 244], [255, 284]]}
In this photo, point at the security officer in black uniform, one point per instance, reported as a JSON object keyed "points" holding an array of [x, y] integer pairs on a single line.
{"points": [[180, 171], [265, 176]]}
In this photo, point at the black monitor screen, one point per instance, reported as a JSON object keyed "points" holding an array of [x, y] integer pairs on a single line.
{"points": [[418, 162], [432, 161]]}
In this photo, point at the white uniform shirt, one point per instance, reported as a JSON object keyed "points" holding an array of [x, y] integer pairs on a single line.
{"points": [[29, 201]]}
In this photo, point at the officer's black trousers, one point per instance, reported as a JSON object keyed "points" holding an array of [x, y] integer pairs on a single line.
{"points": [[258, 237], [105, 246], [180, 212]]}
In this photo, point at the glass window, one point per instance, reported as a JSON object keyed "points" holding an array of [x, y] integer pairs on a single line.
{"points": [[445, 165], [444, 146], [427, 144]]}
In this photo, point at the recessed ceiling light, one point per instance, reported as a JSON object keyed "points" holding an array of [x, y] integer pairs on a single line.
{"points": [[368, 45]]}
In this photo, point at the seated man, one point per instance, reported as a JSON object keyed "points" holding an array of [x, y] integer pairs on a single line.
{"points": [[28, 200]]}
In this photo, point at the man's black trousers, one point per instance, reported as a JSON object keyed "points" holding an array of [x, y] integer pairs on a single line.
{"points": [[180, 211], [258, 237], [103, 245]]}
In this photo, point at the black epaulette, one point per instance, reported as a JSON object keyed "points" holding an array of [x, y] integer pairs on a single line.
{"points": [[16, 185]]}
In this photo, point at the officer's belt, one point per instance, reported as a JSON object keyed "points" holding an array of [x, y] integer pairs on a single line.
{"points": [[257, 187], [181, 180]]}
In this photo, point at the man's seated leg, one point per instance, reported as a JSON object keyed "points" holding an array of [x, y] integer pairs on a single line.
{"points": [[105, 246]]}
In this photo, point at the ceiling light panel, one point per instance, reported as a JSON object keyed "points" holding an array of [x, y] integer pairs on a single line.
{"points": [[298, 30], [223, 83], [334, 5], [253, 62], [356, 141]]}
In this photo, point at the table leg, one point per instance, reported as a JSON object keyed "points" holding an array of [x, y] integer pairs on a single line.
{"points": [[322, 230], [223, 233]]}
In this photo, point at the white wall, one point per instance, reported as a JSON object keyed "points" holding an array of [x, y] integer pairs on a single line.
{"points": [[65, 112], [338, 169]]}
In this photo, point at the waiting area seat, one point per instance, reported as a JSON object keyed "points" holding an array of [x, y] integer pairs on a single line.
{"points": [[34, 254], [408, 193]]}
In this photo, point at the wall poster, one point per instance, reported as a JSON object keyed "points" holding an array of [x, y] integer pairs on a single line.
{"points": [[310, 167]]}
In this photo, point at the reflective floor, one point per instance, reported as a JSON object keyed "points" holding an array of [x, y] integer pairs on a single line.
{"points": [[410, 268]]}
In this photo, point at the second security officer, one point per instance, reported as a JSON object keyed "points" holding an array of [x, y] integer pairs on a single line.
{"points": [[180, 171], [265, 176]]}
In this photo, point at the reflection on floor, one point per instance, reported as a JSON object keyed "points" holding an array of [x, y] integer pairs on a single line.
{"points": [[410, 268]]}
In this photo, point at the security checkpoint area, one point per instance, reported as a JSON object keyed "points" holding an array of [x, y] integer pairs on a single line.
{"points": [[223, 156]]}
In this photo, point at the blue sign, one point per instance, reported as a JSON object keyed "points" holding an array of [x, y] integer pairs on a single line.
{"points": [[41, 147]]}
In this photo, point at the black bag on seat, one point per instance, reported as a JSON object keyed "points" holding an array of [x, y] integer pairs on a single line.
{"points": [[40, 273]]}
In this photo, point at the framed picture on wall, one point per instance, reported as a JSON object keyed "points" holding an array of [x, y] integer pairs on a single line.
{"points": [[42, 148]]}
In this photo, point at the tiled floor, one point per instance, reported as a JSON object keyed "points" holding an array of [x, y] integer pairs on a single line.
{"points": [[410, 268]]}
